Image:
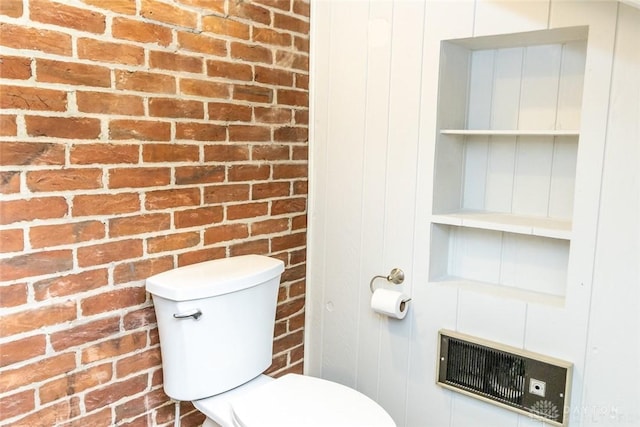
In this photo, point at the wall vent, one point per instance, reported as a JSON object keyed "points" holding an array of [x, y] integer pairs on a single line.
{"points": [[529, 383]]}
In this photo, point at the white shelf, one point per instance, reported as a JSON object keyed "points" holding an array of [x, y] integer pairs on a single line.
{"points": [[510, 132], [503, 291], [520, 224]]}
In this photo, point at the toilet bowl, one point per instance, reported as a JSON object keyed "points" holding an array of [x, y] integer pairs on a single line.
{"points": [[216, 322], [292, 401]]}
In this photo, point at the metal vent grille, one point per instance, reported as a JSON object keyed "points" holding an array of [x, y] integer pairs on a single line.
{"points": [[526, 382]]}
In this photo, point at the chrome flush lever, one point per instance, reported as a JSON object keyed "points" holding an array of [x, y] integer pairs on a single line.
{"points": [[192, 313]]}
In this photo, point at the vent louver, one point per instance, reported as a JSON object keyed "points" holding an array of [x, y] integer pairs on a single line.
{"points": [[526, 382]]}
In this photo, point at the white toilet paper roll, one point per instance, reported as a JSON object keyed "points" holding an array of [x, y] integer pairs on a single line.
{"points": [[390, 303]]}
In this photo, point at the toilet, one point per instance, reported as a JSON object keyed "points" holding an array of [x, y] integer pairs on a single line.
{"points": [[215, 321]]}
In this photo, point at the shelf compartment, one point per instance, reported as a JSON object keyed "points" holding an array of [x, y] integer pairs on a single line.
{"points": [[518, 224], [510, 132], [522, 263]]}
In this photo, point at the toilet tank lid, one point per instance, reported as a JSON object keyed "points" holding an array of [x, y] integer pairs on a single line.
{"points": [[216, 277]]}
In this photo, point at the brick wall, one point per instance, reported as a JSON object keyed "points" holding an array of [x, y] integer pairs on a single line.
{"points": [[137, 136]]}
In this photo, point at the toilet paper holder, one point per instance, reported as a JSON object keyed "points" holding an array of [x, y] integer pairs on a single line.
{"points": [[396, 276]]}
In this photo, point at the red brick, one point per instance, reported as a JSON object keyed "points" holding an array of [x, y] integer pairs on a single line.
{"points": [[8, 124], [36, 318], [226, 153], [13, 295], [164, 199], [270, 226], [301, 117], [103, 51], [139, 224], [142, 404], [114, 392], [72, 73], [142, 81], [270, 152], [168, 14], [291, 134], [99, 418], [52, 415], [250, 247], [226, 27], [11, 240], [109, 252], [293, 97], [269, 36], [105, 204], [287, 206], [35, 264], [249, 172], [301, 44], [291, 23], [283, 243], [109, 103], [186, 175], [66, 16], [299, 222], [247, 210], [172, 242], [198, 216], [176, 108], [75, 382], [213, 6], [15, 67], [143, 32], [103, 153], [31, 153], [225, 232], [139, 362], [12, 8], [302, 7], [17, 404], [288, 171], [64, 180], [226, 193], [273, 115], [202, 43], [253, 93], [63, 127], [292, 60], [153, 153], [65, 234], [175, 62], [114, 347], [126, 7], [30, 209], [204, 88], [200, 131], [31, 98], [251, 53], [229, 112], [70, 284], [23, 349], [140, 318], [143, 130], [85, 333], [193, 257], [249, 133], [229, 70], [10, 182], [114, 300], [140, 270], [302, 81], [22, 37], [250, 12], [139, 177]]}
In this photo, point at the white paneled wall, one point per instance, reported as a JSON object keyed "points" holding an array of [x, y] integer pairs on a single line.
{"points": [[375, 67]]}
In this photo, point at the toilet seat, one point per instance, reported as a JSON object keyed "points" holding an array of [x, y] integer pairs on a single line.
{"points": [[303, 401]]}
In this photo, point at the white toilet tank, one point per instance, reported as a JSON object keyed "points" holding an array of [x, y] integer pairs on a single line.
{"points": [[215, 321]]}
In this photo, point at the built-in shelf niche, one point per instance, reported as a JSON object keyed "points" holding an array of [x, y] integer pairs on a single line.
{"points": [[505, 164]]}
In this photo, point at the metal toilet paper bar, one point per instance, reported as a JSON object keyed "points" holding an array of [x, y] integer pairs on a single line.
{"points": [[396, 276]]}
